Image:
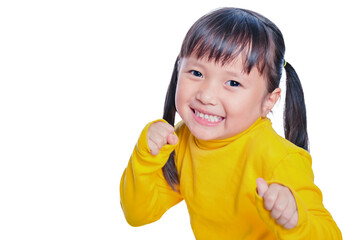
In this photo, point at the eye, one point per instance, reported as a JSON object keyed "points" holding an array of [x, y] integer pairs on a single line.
{"points": [[233, 83], [196, 73]]}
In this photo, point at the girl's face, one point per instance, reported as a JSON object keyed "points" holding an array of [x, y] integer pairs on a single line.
{"points": [[217, 102]]}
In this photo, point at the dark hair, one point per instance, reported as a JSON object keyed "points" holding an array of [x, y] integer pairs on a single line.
{"points": [[221, 36]]}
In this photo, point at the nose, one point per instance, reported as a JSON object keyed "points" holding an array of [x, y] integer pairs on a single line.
{"points": [[207, 94]]}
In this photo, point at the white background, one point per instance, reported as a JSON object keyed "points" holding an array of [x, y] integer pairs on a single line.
{"points": [[80, 79]]}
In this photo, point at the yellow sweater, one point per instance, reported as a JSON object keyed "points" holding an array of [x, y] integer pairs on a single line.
{"points": [[218, 184]]}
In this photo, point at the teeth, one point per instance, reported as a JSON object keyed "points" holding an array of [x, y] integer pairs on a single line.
{"points": [[210, 118]]}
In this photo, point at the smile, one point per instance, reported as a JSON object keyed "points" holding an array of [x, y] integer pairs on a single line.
{"points": [[206, 118]]}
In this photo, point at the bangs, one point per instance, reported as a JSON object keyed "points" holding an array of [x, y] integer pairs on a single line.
{"points": [[223, 35]]}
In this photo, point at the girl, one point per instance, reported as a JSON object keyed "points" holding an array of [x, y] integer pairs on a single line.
{"points": [[240, 180]]}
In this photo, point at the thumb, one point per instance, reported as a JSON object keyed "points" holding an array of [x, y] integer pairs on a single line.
{"points": [[172, 139], [262, 186]]}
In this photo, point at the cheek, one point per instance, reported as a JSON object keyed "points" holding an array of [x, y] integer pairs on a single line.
{"points": [[177, 100], [182, 94], [243, 106], [234, 110], [236, 104], [179, 97]]}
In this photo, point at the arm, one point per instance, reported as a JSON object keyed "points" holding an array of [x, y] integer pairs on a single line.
{"points": [[313, 220], [144, 193]]}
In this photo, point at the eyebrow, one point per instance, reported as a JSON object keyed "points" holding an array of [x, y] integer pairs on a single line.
{"points": [[231, 73], [234, 74], [194, 63]]}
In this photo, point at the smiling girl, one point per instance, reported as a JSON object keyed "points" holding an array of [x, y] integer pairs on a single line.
{"points": [[239, 179]]}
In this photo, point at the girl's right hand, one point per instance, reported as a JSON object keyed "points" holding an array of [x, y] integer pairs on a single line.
{"points": [[160, 134]]}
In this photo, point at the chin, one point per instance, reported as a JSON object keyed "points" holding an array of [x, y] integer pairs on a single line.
{"points": [[204, 135]]}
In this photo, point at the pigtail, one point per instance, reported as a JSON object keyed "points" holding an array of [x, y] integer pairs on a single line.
{"points": [[169, 169], [295, 120]]}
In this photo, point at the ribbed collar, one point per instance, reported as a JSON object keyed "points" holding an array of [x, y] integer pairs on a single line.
{"points": [[215, 144]]}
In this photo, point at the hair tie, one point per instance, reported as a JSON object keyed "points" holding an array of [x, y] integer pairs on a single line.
{"points": [[284, 65]]}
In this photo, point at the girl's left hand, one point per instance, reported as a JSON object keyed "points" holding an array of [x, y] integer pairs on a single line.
{"points": [[280, 201]]}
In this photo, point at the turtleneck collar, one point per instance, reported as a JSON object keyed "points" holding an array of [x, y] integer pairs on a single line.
{"points": [[215, 144]]}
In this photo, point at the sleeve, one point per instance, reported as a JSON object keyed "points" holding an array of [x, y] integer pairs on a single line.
{"points": [[144, 193], [314, 221]]}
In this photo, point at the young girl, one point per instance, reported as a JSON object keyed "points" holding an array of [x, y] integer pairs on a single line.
{"points": [[240, 180]]}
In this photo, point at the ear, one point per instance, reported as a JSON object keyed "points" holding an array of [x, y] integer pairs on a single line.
{"points": [[270, 100]]}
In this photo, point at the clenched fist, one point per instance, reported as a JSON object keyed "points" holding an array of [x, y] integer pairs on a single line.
{"points": [[280, 201], [160, 134]]}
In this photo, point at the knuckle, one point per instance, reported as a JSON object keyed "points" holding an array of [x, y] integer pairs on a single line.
{"points": [[286, 216], [164, 125], [275, 187], [160, 143], [169, 127], [289, 225], [294, 220], [284, 219], [275, 214], [270, 198], [153, 126], [269, 201], [287, 191], [292, 223], [279, 206], [281, 221], [153, 150], [153, 145]]}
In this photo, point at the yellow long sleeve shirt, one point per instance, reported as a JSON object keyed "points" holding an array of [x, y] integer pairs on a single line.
{"points": [[218, 184]]}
